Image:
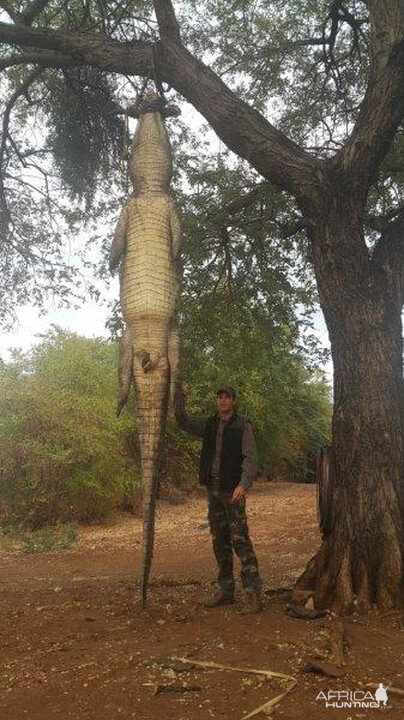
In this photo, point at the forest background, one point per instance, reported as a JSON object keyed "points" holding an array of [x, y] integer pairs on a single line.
{"points": [[249, 295]]}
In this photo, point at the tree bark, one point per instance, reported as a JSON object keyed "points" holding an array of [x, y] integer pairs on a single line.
{"points": [[361, 560]]}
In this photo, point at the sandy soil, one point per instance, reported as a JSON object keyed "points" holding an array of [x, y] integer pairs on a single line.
{"points": [[75, 644]]}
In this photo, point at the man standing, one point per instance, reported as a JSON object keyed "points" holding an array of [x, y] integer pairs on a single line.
{"points": [[228, 465]]}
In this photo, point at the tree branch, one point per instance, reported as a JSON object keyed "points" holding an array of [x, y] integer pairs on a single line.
{"points": [[221, 217], [167, 21], [92, 49], [25, 17], [45, 58], [4, 136], [287, 230], [382, 108], [31, 12], [381, 222], [13, 99], [244, 130], [240, 203], [8, 8], [388, 256], [226, 243]]}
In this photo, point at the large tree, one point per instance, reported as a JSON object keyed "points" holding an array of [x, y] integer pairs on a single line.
{"points": [[344, 61]]}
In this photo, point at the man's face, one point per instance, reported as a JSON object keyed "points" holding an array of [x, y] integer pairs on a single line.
{"points": [[225, 403]]}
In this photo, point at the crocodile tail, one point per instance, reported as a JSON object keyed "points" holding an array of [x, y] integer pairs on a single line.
{"points": [[149, 511], [152, 402]]}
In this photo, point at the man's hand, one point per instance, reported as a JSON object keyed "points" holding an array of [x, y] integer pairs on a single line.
{"points": [[239, 494]]}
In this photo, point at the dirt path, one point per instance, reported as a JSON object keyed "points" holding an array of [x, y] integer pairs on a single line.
{"points": [[74, 644]]}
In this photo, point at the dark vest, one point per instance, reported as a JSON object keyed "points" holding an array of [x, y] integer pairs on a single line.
{"points": [[231, 457]]}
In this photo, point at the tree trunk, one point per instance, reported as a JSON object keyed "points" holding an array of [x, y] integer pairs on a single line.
{"points": [[361, 559]]}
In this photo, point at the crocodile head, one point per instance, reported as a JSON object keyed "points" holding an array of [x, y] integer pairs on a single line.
{"points": [[150, 162]]}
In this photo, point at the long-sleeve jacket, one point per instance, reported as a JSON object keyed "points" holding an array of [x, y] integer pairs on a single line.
{"points": [[242, 470]]}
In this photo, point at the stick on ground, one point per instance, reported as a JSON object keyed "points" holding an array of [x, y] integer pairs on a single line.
{"points": [[176, 688], [270, 704], [219, 666]]}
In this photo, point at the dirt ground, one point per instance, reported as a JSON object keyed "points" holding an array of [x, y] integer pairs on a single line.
{"points": [[75, 644]]}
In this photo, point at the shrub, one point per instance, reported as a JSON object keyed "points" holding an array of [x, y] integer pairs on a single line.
{"points": [[62, 450]]}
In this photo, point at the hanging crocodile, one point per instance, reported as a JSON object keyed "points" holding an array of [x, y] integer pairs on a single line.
{"points": [[146, 245]]}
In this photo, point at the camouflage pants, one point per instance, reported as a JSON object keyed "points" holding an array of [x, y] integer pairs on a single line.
{"points": [[229, 530]]}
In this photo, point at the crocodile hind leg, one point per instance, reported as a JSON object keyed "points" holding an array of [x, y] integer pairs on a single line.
{"points": [[125, 369]]}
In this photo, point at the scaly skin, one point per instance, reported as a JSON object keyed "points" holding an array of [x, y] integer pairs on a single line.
{"points": [[147, 243]]}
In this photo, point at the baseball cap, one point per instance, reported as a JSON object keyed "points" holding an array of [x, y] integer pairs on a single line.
{"points": [[226, 389]]}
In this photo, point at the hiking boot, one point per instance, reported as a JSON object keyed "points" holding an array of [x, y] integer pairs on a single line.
{"points": [[252, 604], [219, 598]]}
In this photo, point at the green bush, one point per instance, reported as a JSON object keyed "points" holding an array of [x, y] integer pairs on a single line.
{"points": [[49, 538], [63, 455]]}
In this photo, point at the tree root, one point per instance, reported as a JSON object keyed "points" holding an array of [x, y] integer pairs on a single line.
{"points": [[337, 635], [341, 583]]}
